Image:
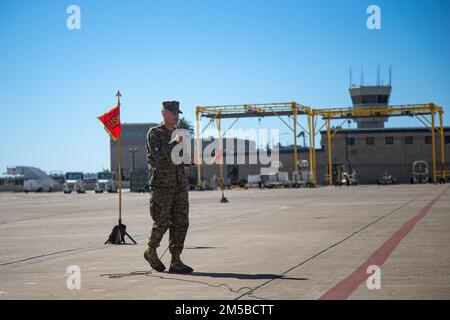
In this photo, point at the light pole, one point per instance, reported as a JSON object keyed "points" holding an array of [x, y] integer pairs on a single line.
{"points": [[133, 151]]}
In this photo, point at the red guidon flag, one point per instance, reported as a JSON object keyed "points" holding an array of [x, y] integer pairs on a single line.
{"points": [[111, 121]]}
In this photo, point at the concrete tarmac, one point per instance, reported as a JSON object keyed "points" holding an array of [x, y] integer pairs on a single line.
{"points": [[264, 244]]}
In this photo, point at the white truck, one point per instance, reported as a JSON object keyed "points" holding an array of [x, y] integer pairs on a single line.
{"points": [[106, 181], [74, 182], [37, 185]]}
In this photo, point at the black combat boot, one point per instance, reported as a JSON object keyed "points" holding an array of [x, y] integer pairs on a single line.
{"points": [[177, 266], [152, 257]]}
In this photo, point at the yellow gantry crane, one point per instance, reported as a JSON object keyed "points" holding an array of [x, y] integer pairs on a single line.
{"points": [[418, 111], [216, 113]]}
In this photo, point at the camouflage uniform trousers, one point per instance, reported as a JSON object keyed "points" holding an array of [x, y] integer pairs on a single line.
{"points": [[169, 209]]}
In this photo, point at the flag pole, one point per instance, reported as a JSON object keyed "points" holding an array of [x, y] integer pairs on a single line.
{"points": [[117, 235], [120, 181], [118, 95]]}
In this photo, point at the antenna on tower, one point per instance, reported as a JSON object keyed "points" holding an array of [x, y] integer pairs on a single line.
{"points": [[362, 76], [390, 76], [378, 76], [351, 76]]}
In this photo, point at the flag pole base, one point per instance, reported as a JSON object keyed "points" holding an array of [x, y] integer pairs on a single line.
{"points": [[118, 233], [224, 199]]}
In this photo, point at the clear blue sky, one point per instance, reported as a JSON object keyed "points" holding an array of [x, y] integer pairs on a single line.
{"points": [[54, 82]]}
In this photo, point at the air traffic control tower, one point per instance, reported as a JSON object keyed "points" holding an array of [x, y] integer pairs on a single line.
{"points": [[370, 96]]}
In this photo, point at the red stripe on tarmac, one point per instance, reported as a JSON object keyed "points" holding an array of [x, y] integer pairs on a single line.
{"points": [[346, 287]]}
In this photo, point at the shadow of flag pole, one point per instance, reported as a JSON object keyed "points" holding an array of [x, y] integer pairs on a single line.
{"points": [[111, 122]]}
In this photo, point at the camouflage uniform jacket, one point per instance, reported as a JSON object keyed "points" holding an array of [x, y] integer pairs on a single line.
{"points": [[163, 172]]}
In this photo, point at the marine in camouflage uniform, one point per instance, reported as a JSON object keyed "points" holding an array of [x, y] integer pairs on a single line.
{"points": [[169, 202]]}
